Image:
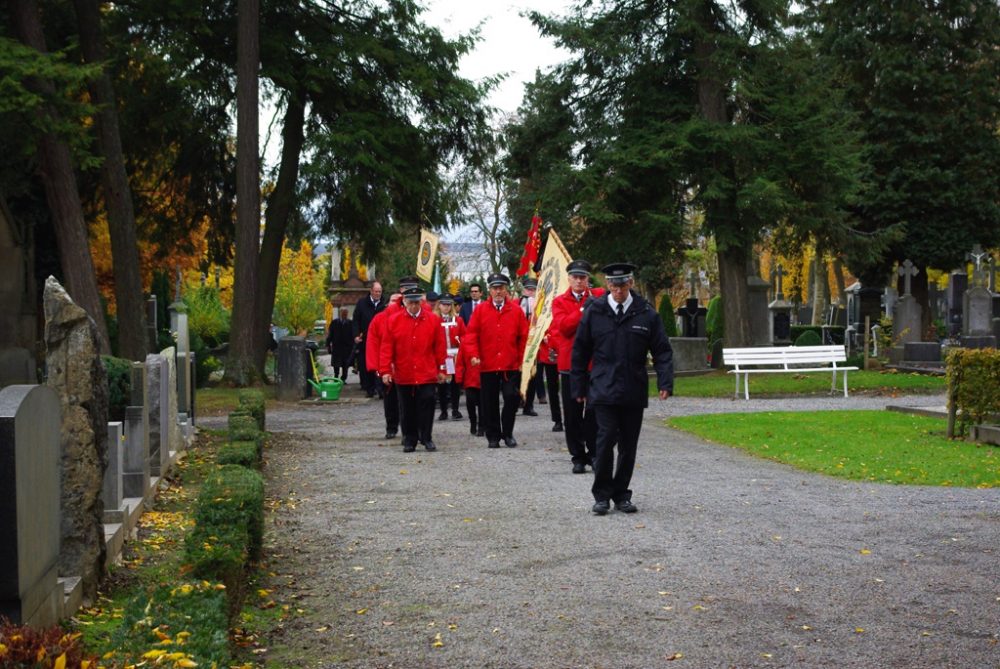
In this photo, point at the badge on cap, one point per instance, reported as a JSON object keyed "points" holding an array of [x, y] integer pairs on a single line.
{"points": [[578, 268], [618, 273], [498, 280], [413, 294]]}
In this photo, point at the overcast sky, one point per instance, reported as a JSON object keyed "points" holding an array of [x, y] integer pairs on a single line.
{"points": [[510, 43]]}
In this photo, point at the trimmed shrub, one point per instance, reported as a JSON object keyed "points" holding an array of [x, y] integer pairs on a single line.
{"points": [[252, 401], [229, 529], [242, 427], [666, 312], [191, 614], [974, 384], [243, 453], [715, 325], [119, 385], [808, 338], [836, 332]]}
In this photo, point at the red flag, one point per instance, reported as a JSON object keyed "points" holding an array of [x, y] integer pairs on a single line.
{"points": [[531, 246]]}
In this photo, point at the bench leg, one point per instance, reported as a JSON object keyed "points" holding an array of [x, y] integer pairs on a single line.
{"points": [[746, 386], [845, 382], [833, 382], [736, 391]]}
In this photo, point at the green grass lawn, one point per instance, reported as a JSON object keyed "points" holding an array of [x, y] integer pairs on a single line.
{"points": [[721, 384], [220, 400], [880, 446]]}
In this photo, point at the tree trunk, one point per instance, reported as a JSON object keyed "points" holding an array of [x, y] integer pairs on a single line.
{"points": [[279, 210], [838, 276], [239, 362], [61, 193], [820, 289], [733, 250], [132, 343]]}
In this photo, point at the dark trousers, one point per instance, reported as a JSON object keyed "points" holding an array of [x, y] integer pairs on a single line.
{"points": [[551, 375], [367, 378], [390, 405], [416, 412], [339, 362], [449, 393], [621, 425], [472, 401], [499, 425], [579, 424]]}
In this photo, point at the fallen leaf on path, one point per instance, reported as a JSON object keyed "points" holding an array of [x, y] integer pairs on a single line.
{"points": [[675, 656], [865, 551], [322, 629], [361, 612], [437, 641]]}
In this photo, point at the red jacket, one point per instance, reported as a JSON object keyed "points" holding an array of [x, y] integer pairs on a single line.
{"points": [[497, 338], [412, 348], [566, 314], [376, 330], [465, 373]]}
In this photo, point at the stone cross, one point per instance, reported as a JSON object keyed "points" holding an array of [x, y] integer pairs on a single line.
{"points": [[694, 280], [976, 255], [779, 273], [907, 271]]}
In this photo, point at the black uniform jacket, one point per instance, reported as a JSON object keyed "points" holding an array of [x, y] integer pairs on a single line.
{"points": [[618, 350], [364, 312]]}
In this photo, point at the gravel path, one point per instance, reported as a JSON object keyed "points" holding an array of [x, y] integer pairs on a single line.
{"points": [[470, 557]]}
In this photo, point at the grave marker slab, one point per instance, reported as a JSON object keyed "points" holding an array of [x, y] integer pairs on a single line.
{"points": [[30, 456]]}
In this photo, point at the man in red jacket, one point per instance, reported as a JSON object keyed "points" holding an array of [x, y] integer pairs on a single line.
{"points": [[413, 357], [567, 309], [373, 352], [496, 336]]}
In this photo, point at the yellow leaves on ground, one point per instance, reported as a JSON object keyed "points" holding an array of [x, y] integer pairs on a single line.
{"points": [[865, 551], [438, 643], [675, 656], [60, 662]]}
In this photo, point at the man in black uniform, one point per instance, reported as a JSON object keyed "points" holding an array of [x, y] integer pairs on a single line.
{"points": [[340, 344], [616, 332], [364, 312]]}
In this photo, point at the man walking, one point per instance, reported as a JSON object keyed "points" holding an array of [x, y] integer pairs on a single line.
{"points": [[615, 334], [340, 344], [364, 312], [413, 357], [469, 305], [496, 336], [567, 309]]}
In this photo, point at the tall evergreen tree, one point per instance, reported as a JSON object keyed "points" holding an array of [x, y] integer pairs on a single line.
{"points": [[924, 80]]}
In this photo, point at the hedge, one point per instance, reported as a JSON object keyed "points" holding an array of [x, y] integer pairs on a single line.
{"points": [[808, 338], [715, 324], [836, 332], [193, 615], [974, 384], [229, 529], [252, 401], [243, 427], [243, 453]]}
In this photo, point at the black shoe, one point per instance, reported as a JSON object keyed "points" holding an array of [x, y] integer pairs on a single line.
{"points": [[557, 427], [529, 412], [626, 506], [480, 432], [473, 431], [457, 415], [409, 448], [601, 507], [493, 444], [443, 416], [511, 442], [542, 400], [390, 434], [430, 446], [579, 468]]}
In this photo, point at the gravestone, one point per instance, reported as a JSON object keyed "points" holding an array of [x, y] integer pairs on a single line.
{"points": [[692, 314], [157, 413], [781, 313], [922, 351], [977, 312], [804, 315], [689, 353], [760, 322], [76, 373], [958, 283], [183, 369], [869, 304], [135, 459], [112, 492], [174, 437], [292, 369], [152, 326], [907, 323], [29, 505]]}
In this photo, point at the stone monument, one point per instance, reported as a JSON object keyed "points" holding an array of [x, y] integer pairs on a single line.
{"points": [[781, 312]]}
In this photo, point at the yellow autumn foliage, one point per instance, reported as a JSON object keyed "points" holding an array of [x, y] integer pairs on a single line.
{"points": [[300, 297]]}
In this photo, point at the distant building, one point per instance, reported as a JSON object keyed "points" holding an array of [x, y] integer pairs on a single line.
{"points": [[466, 260]]}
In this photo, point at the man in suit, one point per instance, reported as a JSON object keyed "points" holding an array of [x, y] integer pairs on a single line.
{"points": [[614, 337], [469, 305], [364, 312], [340, 344]]}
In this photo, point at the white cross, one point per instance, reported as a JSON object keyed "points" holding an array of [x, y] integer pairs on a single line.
{"points": [[907, 271]]}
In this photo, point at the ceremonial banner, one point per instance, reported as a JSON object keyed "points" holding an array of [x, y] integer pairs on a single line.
{"points": [[426, 255], [552, 281], [531, 247]]}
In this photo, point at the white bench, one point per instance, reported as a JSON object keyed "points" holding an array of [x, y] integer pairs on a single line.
{"points": [[783, 360]]}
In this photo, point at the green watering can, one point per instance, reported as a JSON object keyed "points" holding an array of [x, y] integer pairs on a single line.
{"points": [[328, 387]]}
